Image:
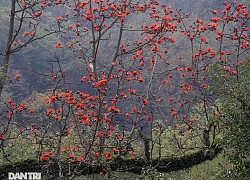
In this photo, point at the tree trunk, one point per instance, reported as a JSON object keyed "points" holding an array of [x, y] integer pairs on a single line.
{"points": [[206, 140], [7, 53]]}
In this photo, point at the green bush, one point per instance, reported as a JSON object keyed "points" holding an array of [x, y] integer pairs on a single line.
{"points": [[235, 110]]}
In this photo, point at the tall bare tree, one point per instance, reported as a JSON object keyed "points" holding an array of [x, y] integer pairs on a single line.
{"points": [[7, 53]]}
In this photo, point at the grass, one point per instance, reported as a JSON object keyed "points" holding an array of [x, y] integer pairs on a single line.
{"points": [[18, 150], [208, 170], [204, 171]]}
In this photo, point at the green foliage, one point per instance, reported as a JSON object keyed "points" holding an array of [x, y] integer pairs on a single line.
{"points": [[236, 121], [206, 170]]}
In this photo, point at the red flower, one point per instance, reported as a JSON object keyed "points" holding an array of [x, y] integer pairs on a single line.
{"points": [[25, 33], [145, 102], [214, 11], [108, 155], [132, 152], [49, 112], [215, 19], [59, 18], [35, 131], [47, 153], [135, 72], [99, 133], [128, 115], [123, 94], [213, 26], [78, 25], [58, 118], [100, 83], [234, 73], [114, 109], [139, 52], [59, 45], [80, 158], [43, 158], [203, 39], [227, 68], [2, 137], [17, 76], [120, 138]]}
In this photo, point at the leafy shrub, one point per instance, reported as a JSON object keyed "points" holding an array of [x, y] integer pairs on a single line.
{"points": [[236, 121]]}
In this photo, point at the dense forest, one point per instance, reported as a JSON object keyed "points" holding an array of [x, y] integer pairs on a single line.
{"points": [[124, 86]]}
